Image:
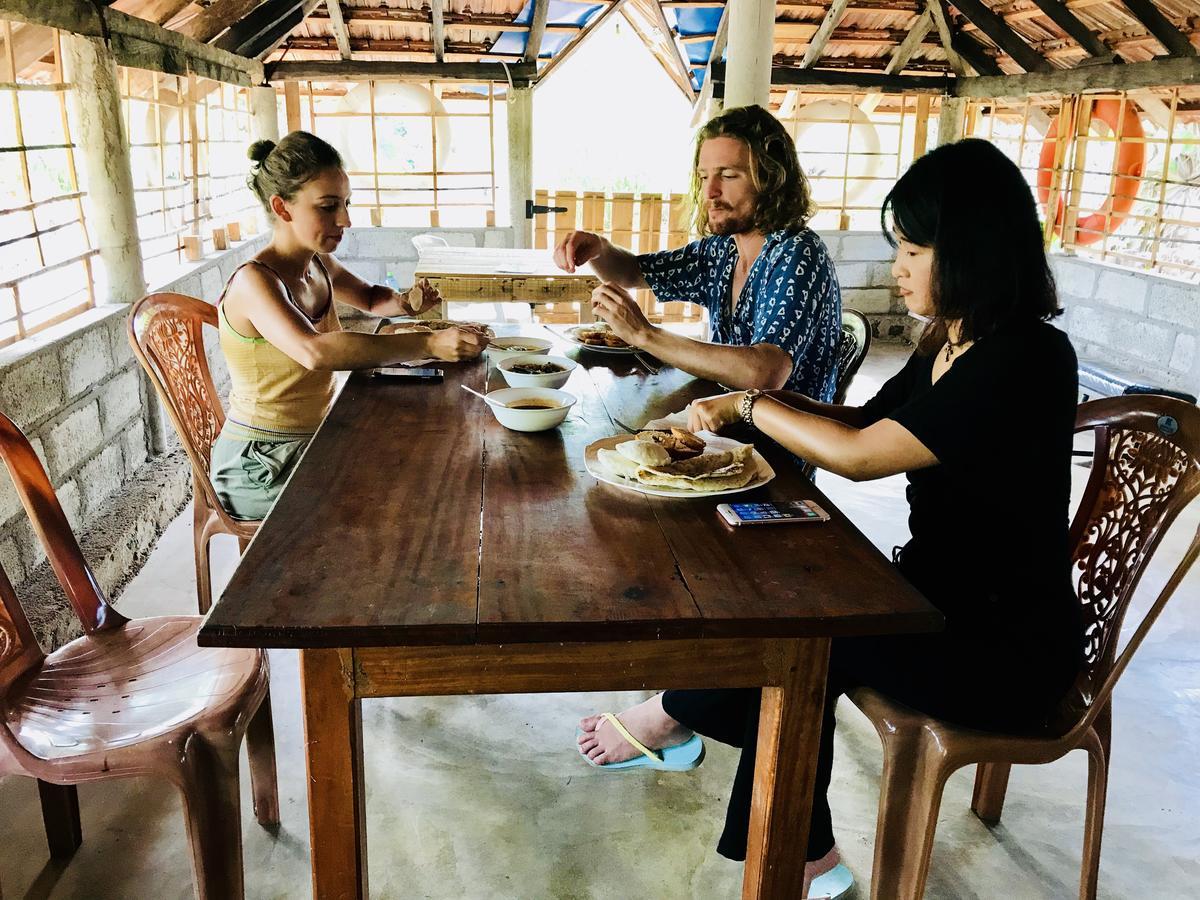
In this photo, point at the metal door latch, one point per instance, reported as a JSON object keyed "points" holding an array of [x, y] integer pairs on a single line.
{"points": [[532, 209]]}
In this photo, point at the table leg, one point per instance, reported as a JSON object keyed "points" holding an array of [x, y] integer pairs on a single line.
{"points": [[336, 789], [789, 736]]}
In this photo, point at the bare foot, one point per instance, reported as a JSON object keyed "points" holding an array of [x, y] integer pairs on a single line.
{"points": [[815, 868], [648, 722]]}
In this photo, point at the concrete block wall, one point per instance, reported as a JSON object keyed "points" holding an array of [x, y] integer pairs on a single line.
{"points": [[1133, 320], [863, 260]]}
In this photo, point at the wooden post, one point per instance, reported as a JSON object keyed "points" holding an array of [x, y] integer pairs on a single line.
{"points": [[219, 241], [1066, 115], [291, 102], [751, 46], [950, 121], [193, 248], [520, 163], [921, 127], [99, 135], [234, 230], [1083, 125]]}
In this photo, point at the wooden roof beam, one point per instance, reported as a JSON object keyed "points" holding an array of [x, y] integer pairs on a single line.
{"points": [[1058, 13], [537, 30], [136, 42], [1163, 72], [900, 57], [679, 58], [391, 15], [399, 45], [362, 70], [341, 33], [817, 45], [1004, 37], [1160, 26], [790, 77]]}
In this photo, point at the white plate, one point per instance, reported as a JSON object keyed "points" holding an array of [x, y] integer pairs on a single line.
{"points": [[569, 334], [591, 461]]}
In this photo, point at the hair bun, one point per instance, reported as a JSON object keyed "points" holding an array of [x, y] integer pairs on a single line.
{"points": [[260, 150]]}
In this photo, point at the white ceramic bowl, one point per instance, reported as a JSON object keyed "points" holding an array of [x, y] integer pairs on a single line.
{"points": [[530, 419], [498, 349], [548, 380]]}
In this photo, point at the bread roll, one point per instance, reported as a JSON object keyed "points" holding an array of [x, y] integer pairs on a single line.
{"points": [[645, 453]]}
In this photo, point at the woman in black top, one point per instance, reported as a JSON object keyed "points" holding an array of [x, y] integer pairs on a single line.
{"points": [[981, 420]]}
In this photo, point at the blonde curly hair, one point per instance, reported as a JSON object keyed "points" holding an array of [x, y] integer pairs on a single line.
{"points": [[784, 198]]}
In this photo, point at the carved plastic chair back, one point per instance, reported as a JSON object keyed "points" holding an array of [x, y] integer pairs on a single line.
{"points": [[856, 341], [1145, 471], [166, 331]]}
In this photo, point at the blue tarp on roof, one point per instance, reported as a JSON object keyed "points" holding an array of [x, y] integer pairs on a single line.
{"points": [[559, 13], [688, 22]]}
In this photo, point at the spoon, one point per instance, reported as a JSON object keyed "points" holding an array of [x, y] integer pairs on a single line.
{"points": [[483, 397]]}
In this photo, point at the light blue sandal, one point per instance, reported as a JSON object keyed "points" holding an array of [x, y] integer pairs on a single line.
{"points": [[680, 758], [834, 884]]}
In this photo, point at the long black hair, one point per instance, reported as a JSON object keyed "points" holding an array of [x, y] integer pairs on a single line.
{"points": [[972, 205]]}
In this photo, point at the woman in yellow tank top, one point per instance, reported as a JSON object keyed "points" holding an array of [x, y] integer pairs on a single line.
{"points": [[279, 330]]}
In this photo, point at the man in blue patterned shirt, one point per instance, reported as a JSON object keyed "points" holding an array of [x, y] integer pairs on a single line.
{"points": [[766, 279]]}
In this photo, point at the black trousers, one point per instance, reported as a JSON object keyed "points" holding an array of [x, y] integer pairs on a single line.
{"points": [[974, 681]]}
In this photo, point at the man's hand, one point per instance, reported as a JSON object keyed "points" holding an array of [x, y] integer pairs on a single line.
{"points": [[454, 344], [617, 307], [715, 413], [420, 297], [576, 249]]}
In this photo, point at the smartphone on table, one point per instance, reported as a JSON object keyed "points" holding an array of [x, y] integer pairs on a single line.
{"points": [[794, 512], [400, 373]]}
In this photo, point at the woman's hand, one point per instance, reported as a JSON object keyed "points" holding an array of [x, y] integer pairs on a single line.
{"points": [[454, 344], [616, 306], [420, 297], [715, 413], [576, 249]]}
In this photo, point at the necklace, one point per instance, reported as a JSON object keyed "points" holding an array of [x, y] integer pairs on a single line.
{"points": [[949, 351]]}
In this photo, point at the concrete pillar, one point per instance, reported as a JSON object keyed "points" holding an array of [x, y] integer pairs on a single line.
{"points": [[950, 120], [264, 114], [100, 139], [751, 46], [520, 163]]}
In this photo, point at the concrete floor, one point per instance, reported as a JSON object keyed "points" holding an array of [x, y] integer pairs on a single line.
{"points": [[485, 797]]}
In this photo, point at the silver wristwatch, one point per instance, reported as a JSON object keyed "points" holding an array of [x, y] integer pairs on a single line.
{"points": [[747, 405]]}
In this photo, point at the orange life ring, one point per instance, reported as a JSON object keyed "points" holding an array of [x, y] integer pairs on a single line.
{"points": [[1127, 172]]}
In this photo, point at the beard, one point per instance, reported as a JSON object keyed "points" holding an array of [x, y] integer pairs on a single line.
{"points": [[729, 224]]}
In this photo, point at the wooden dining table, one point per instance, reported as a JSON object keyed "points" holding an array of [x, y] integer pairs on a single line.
{"points": [[422, 549]]}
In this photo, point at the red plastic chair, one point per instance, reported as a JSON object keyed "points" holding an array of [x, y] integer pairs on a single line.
{"points": [[130, 697]]}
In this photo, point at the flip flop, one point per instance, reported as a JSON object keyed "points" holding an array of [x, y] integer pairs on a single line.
{"points": [[832, 885], [680, 758]]}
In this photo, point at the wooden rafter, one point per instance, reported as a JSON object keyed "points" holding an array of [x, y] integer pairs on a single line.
{"points": [[1003, 36], [817, 45], [678, 54], [911, 44], [566, 52], [975, 54], [216, 17], [360, 70], [714, 56], [342, 34], [437, 29], [266, 27], [537, 29], [1160, 26], [1058, 13], [940, 20]]}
